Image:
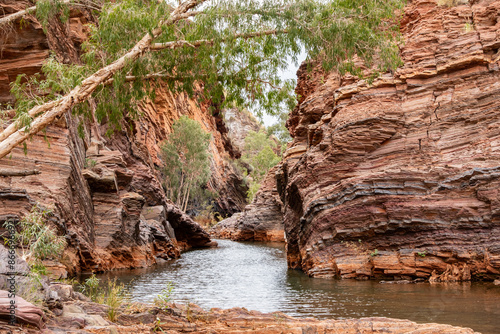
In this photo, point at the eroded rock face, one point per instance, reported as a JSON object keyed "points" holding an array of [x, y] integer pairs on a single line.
{"points": [[239, 124], [262, 220], [105, 191], [401, 178]]}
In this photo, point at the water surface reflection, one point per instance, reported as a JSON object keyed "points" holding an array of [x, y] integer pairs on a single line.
{"points": [[255, 276]]}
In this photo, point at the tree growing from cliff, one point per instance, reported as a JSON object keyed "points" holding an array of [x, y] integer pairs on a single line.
{"points": [[232, 50], [186, 160]]}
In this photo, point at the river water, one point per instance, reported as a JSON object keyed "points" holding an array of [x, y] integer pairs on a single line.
{"points": [[255, 276]]}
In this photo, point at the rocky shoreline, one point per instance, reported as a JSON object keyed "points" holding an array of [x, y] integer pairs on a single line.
{"points": [[71, 312]]}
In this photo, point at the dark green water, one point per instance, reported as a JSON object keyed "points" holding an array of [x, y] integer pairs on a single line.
{"points": [[255, 276]]}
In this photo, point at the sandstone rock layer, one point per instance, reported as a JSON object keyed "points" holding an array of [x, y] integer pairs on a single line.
{"points": [[262, 220], [401, 178]]}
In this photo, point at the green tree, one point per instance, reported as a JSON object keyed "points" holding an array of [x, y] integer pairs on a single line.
{"points": [[279, 130], [186, 160], [259, 154], [235, 48]]}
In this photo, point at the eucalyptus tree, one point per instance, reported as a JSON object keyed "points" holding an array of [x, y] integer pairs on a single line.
{"points": [[186, 160], [233, 49], [259, 153]]}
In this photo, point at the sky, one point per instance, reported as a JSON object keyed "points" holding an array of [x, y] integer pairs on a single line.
{"points": [[289, 73]]}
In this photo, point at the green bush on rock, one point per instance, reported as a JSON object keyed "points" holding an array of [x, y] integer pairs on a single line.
{"points": [[37, 240]]}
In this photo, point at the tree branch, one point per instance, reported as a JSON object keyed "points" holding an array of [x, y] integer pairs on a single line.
{"points": [[83, 91], [158, 46], [17, 15], [130, 78], [9, 172], [34, 112], [265, 82], [198, 43]]}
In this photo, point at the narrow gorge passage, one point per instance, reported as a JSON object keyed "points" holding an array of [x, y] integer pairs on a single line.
{"points": [[255, 276]]}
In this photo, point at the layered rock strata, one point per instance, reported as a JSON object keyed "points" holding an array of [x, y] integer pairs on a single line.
{"points": [[262, 220], [25, 312], [105, 192], [400, 178]]}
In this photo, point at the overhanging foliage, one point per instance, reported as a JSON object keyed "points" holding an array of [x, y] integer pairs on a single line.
{"points": [[236, 49]]}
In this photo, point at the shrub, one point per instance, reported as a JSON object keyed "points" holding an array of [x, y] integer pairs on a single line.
{"points": [[90, 287], [37, 240], [207, 217], [113, 294], [279, 130], [468, 27], [165, 296], [374, 253], [115, 297], [89, 163], [259, 154]]}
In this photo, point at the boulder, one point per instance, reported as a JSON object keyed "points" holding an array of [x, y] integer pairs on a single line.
{"points": [[25, 312], [20, 267]]}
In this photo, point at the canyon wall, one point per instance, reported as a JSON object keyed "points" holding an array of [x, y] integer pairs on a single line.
{"points": [[104, 191], [261, 220], [401, 178], [239, 123]]}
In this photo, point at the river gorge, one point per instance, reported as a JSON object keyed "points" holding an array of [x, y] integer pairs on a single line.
{"points": [[254, 275], [385, 204]]}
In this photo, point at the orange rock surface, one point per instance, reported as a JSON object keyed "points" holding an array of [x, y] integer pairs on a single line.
{"points": [[400, 178], [140, 318]]}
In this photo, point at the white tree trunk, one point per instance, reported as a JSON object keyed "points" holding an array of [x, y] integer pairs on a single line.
{"points": [[54, 109]]}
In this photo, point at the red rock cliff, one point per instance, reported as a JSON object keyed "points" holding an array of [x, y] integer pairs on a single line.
{"points": [[261, 220], [105, 192], [401, 178]]}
